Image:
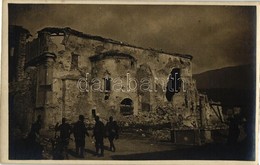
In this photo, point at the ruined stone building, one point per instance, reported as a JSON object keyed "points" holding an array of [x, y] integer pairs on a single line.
{"points": [[64, 73]]}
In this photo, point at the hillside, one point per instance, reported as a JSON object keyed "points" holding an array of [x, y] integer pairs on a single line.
{"points": [[237, 77], [233, 86]]}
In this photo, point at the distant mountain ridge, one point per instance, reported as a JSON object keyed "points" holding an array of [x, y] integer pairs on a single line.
{"points": [[232, 86], [236, 77]]}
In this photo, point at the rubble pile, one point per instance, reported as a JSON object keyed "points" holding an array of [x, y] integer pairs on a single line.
{"points": [[160, 117], [161, 135], [156, 124]]}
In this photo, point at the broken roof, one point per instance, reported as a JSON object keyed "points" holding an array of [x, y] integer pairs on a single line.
{"points": [[67, 30]]}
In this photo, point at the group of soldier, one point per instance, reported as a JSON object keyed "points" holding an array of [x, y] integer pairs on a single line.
{"points": [[80, 131]]}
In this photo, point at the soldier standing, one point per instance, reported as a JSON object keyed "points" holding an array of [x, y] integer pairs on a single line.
{"points": [[35, 129], [65, 131], [80, 132], [34, 148], [98, 133], [234, 130], [112, 132]]}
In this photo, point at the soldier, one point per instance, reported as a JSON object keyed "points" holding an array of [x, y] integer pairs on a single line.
{"points": [[234, 131], [37, 125], [80, 132], [98, 133], [34, 148], [65, 131], [112, 132]]}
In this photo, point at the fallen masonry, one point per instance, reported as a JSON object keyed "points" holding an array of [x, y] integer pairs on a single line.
{"points": [[65, 73]]}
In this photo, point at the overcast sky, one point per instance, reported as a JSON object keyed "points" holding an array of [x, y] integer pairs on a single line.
{"points": [[216, 36]]}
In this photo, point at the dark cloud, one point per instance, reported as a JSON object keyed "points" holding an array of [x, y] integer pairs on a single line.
{"points": [[216, 36]]}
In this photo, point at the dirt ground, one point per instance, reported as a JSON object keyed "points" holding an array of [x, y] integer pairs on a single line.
{"points": [[125, 145], [134, 147]]}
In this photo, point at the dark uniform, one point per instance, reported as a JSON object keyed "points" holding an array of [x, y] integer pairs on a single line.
{"points": [[80, 132], [234, 130], [37, 126], [112, 132], [34, 148], [98, 133], [65, 131], [35, 129]]}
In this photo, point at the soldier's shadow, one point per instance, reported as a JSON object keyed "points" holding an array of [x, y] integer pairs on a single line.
{"points": [[94, 152], [74, 154], [88, 151], [106, 148]]}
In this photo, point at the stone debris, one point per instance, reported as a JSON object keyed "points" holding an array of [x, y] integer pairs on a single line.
{"points": [[51, 65], [162, 135]]}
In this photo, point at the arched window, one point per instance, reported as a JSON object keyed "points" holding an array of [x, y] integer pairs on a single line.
{"points": [[126, 107]]}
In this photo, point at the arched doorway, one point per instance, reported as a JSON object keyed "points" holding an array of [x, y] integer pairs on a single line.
{"points": [[126, 107]]}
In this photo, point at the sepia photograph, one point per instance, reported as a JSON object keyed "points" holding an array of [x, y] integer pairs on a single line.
{"points": [[131, 82]]}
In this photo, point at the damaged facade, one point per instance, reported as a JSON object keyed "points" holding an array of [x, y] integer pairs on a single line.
{"points": [[65, 73]]}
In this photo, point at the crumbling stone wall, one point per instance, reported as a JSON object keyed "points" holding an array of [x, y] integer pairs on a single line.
{"points": [[67, 56], [17, 52], [66, 100], [114, 68], [21, 95]]}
